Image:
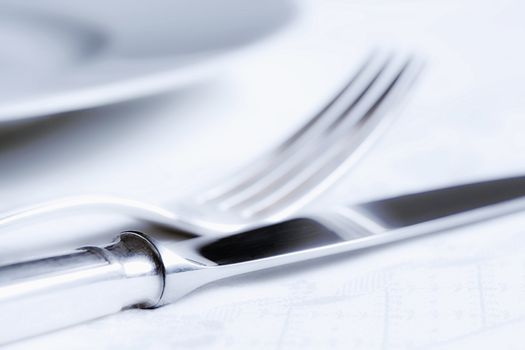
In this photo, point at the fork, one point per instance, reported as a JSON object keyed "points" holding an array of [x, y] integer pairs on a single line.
{"points": [[282, 181]]}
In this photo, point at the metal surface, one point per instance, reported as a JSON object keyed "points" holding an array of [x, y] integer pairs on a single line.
{"points": [[55, 292], [284, 180], [138, 272]]}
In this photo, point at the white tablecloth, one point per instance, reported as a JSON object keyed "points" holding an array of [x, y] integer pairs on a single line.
{"points": [[464, 122]]}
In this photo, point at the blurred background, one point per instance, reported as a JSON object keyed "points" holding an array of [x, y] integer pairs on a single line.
{"points": [[149, 100]]}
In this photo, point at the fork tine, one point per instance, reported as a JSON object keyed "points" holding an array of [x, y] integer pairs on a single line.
{"points": [[285, 155], [252, 173], [282, 166], [302, 184], [295, 167], [323, 112]]}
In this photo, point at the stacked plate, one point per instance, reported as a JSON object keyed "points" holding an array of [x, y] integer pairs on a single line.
{"points": [[59, 56]]}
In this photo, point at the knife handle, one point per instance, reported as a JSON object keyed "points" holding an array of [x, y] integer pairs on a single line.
{"points": [[46, 294]]}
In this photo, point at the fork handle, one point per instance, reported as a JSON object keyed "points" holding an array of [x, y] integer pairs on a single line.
{"points": [[51, 293], [95, 203]]}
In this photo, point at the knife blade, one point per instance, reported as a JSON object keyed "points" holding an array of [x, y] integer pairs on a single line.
{"points": [[138, 271]]}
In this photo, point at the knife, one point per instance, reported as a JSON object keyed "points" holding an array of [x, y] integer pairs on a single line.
{"points": [[136, 271]]}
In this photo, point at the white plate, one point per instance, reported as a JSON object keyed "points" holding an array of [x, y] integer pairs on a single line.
{"points": [[59, 55]]}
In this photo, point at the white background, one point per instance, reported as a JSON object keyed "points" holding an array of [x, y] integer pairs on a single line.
{"points": [[464, 122]]}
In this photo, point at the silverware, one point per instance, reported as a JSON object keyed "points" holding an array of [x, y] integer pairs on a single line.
{"points": [[137, 271], [284, 180]]}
